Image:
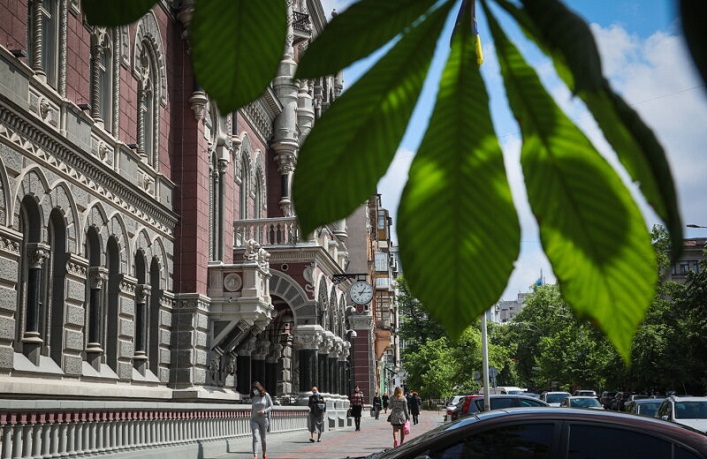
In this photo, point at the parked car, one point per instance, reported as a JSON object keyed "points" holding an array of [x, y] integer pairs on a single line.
{"points": [[622, 398], [452, 405], [554, 398], [584, 393], [581, 401], [644, 407], [475, 404], [560, 433], [688, 411], [606, 399]]}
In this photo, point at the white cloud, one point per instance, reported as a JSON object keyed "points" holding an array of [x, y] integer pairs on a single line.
{"points": [[656, 77]]}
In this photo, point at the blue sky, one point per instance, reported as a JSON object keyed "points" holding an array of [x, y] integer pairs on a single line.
{"points": [[645, 59]]}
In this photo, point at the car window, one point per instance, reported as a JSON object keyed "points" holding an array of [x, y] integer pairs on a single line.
{"points": [[528, 441], [526, 402], [615, 443], [498, 403], [647, 409], [691, 410], [682, 453]]}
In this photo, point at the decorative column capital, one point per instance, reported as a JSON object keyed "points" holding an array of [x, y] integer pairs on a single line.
{"points": [[308, 337], [37, 252], [142, 291], [198, 101], [97, 275]]}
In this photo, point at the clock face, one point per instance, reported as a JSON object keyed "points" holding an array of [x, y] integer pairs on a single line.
{"points": [[361, 292]]}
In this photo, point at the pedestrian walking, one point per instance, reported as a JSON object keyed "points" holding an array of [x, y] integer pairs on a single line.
{"points": [[356, 400], [317, 407], [377, 404], [385, 402], [259, 417], [414, 404], [398, 415]]}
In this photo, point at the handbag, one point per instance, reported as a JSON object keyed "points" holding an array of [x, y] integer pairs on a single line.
{"points": [[406, 427], [321, 406], [349, 414]]}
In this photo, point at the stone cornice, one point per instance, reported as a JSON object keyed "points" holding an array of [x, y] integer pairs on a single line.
{"points": [[68, 160], [262, 113]]}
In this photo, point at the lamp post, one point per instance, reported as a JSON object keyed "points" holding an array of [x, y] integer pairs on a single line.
{"points": [[485, 358]]}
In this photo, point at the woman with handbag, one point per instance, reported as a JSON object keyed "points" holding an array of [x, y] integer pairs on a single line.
{"points": [[317, 407], [259, 417], [399, 415]]}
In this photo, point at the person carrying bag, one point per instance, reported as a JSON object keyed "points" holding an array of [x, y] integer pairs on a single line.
{"points": [[399, 415], [317, 408]]}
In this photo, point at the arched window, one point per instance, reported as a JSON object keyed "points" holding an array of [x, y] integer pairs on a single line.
{"points": [[56, 277], [148, 106], [110, 320], [259, 188], [96, 287], [244, 188], [43, 39], [102, 80], [153, 318], [30, 292]]}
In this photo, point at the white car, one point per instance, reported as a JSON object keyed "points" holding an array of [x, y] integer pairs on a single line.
{"points": [[554, 398], [581, 401], [688, 411]]}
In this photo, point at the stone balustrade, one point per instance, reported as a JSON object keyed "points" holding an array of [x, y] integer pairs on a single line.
{"points": [[30, 429]]}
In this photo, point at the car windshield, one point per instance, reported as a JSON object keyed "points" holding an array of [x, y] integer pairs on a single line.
{"points": [[585, 402], [556, 398], [691, 410], [648, 409]]}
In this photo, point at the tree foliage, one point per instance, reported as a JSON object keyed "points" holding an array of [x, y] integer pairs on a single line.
{"points": [[459, 233], [552, 346]]}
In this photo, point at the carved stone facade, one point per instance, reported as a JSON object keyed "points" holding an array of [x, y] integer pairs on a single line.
{"points": [[147, 242]]}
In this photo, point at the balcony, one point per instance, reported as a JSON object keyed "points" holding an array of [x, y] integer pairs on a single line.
{"points": [[301, 27], [282, 234], [283, 231]]}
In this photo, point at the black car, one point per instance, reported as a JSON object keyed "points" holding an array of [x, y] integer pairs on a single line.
{"points": [[553, 433], [475, 404]]}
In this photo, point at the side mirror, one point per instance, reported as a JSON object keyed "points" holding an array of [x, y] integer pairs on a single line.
{"points": [[664, 417]]}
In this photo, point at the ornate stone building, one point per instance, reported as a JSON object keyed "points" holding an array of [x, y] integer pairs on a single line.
{"points": [[148, 245]]}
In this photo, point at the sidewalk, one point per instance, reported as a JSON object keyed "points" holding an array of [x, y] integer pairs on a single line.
{"points": [[375, 436]]}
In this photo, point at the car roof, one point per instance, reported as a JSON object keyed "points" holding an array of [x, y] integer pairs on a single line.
{"points": [[687, 398], [647, 401], [582, 396]]}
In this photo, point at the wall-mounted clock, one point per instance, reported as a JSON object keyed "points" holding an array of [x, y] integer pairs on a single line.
{"points": [[361, 292]]}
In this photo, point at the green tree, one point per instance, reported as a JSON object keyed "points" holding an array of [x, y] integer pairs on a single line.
{"points": [[591, 228], [431, 369], [415, 325]]}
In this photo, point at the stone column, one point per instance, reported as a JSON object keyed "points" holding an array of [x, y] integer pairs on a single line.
{"points": [[142, 293], [307, 339], [32, 338], [284, 366], [322, 369], [98, 276]]}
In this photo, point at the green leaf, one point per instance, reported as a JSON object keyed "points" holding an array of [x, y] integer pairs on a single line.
{"points": [[224, 35], [111, 13], [592, 231], [563, 30], [457, 225], [635, 144], [353, 143], [692, 17], [641, 155], [357, 32]]}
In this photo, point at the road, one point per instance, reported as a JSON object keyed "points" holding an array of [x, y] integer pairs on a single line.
{"points": [[375, 435]]}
